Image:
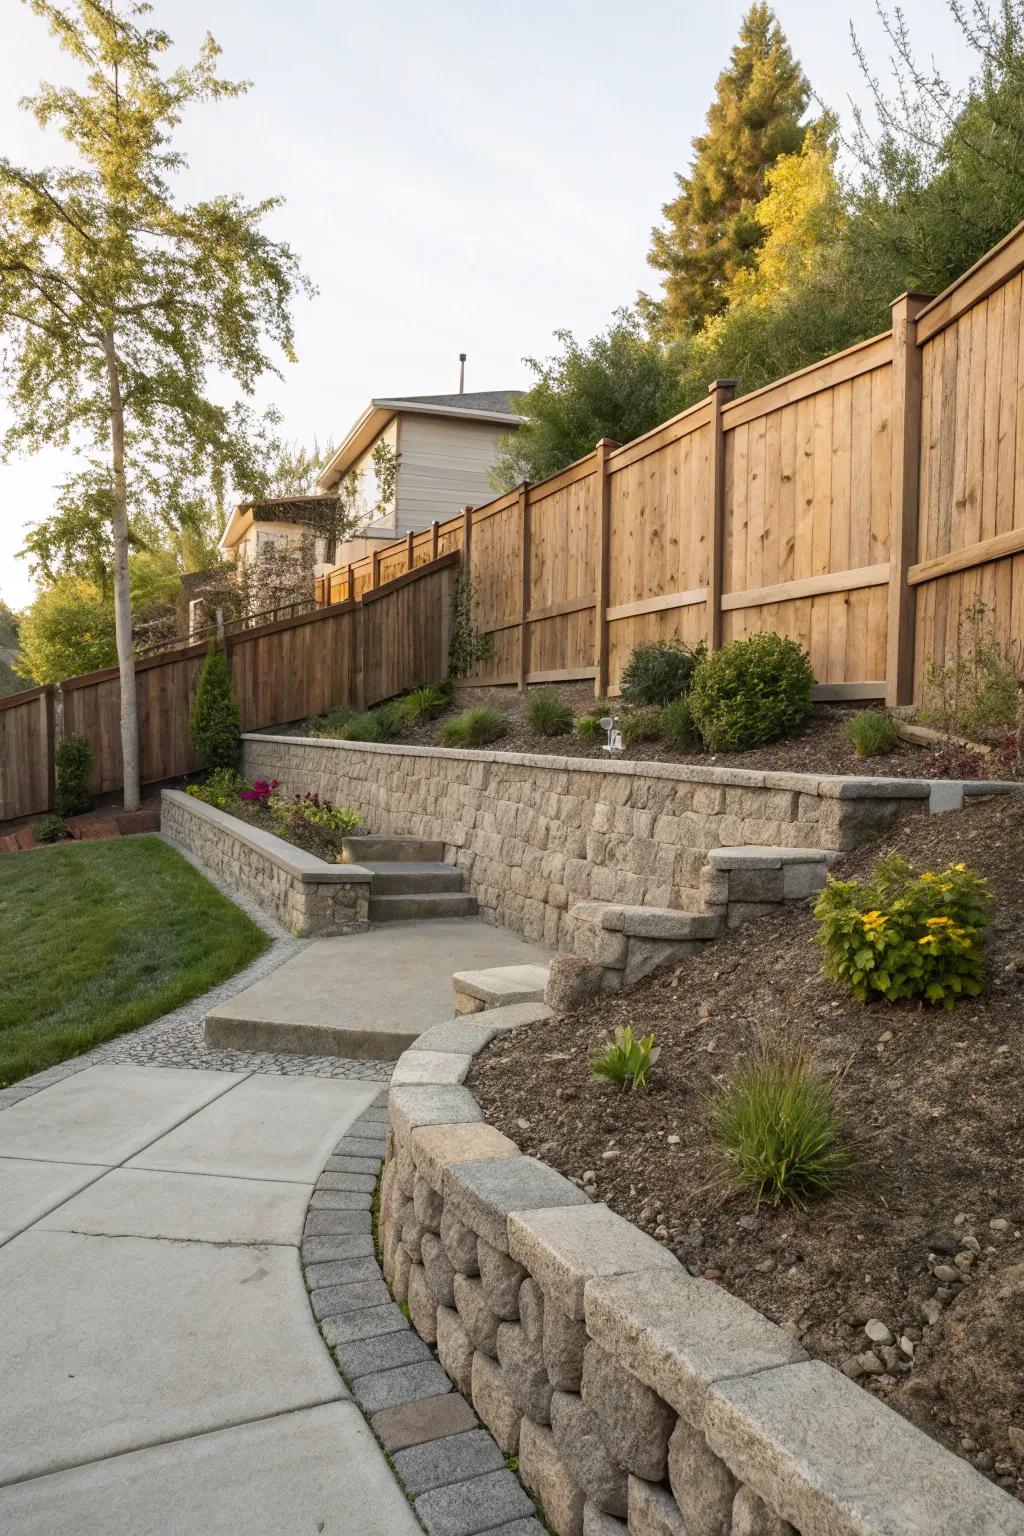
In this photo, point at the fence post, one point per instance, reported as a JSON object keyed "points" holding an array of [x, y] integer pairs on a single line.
{"points": [[410, 553], [721, 392], [350, 590], [50, 738], [903, 496], [605, 446], [524, 582], [435, 538], [467, 541], [375, 570]]}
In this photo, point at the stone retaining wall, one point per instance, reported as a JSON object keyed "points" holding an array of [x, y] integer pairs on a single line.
{"points": [[535, 834], [306, 895], [636, 1397]]}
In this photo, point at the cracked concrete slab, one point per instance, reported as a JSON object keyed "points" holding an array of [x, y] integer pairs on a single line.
{"points": [[29, 1189], [199, 1208], [282, 1128], [317, 1470]]}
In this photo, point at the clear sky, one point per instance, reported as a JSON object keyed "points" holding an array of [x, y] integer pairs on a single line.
{"points": [[458, 176]]}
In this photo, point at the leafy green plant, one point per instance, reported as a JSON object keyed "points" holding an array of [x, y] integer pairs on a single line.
{"points": [[659, 671], [871, 732], [975, 696], [49, 829], [678, 731], [426, 703], [588, 728], [222, 788], [331, 723], [390, 718], [751, 691], [289, 817], [903, 935], [361, 725], [778, 1129], [466, 645], [214, 727], [74, 762], [626, 1060], [474, 727], [547, 713], [640, 725]]}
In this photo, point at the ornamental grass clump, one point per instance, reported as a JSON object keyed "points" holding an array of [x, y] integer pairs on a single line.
{"points": [[659, 671], [906, 936], [422, 704], [474, 727], [588, 728], [678, 731], [641, 725], [778, 1129], [626, 1061], [751, 692], [871, 732], [547, 713]]}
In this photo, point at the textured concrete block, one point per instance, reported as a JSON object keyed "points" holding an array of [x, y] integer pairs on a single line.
{"points": [[430, 1067], [455, 1348], [399, 1277], [428, 1207], [646, 955], [522, 1369], [752, 1517], [597, 1523], [501, 1277], [434, 1147], [494, 1403], [633, 1421], [362, 1357], [565, 1339], [563, 1249], [460, 1243], [680, 1335], [422, 1305], [653, 1511], [484, 1194], [416, 1104], [473, 1505], [412, 1238], [438, 1269], [333, 1300], [827, 1456], [477, 1318], [404, 1384], [467, 1036], [544, 1473], [429, 1419], [531, 1310], [572, 981], [501, 985], [585, 1455], [703, 1486], [453, 1459]]}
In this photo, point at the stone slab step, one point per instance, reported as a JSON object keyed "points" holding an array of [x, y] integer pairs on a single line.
{"points": [[229, 1029], [391, 878], [402, 850], [498, 986], [401, 909]]}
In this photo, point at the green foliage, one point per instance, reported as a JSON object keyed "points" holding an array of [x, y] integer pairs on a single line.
{"points": [[751, 691], [712, 228], [903, 935], [222, 788], [640, 725], [49, 829], [779, 1130], [975, 695], [659, 670], [362, 725], [871, 732], [474, 727], [618, 385], [422, 704], [547, 713], [214, 726], [74, 761], [626, 1061], [466, 645], [678, 731], [66, 630], [332, 722], [390, 717], [292, 818], [588, 728]]}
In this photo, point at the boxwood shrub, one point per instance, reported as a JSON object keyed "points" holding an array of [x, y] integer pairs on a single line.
{"points": [[750, 692]]}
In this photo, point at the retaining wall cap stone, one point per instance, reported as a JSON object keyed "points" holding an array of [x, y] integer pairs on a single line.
{"points": [[484, 1194], [680, 1335], [431, 1066], [748, 856], [829, 1457], [503, 983], [465, 1035], [414, 1104], [564, 1248], [435, 1146], [296, 862]]}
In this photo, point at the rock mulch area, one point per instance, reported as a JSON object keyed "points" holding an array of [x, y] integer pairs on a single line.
{"points": [[912, 1278], [449, 1465], [92, 825]]}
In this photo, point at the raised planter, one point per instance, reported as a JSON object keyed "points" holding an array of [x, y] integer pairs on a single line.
{"points": [[628, 1389], [306, 894]]}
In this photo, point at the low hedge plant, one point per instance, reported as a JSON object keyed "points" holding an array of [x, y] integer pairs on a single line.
{"points": [[751, 692]]}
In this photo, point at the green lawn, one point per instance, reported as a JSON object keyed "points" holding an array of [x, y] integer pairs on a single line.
{"points": [[97, 938]]}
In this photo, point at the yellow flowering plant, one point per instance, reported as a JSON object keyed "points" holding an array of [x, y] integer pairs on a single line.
{"points": [[903, 935]]}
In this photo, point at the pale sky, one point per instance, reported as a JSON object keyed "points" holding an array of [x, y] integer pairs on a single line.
{"points": [[458, 176]]}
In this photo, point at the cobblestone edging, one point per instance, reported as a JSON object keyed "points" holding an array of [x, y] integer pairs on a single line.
{"points": [[636, 1397], [449, 1466], [535, 833], [307, 895]]}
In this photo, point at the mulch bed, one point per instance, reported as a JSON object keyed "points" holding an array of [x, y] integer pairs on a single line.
{"points": [[319, 841], [929, 1225]]}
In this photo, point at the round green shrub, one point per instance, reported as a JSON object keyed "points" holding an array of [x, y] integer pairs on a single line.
{"points": [[49, 829], [751, 691], [678, 731], [588, 728], [659, 671], [214, 727], [74, 760], [640, 725]]}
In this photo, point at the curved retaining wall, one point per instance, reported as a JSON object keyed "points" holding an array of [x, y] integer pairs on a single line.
{"points": [[636, 1397], [535, 834]]}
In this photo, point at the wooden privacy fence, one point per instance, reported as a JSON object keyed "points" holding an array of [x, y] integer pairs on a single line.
{"points": [[350, 653], [859, 506]]}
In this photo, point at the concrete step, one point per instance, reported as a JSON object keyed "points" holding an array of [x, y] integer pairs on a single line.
{"points": [[401, 850], [394, 879], [402, 909], [498, 987]]}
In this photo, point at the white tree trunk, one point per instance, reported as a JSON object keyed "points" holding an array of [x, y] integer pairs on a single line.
{"points": [[122, 589]]}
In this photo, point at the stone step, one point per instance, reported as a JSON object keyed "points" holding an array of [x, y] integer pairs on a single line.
{"points": [[401, 909], [394, 879], [391, 850], [498, 987]]}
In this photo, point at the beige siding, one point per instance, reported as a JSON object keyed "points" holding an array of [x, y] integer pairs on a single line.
{"points": [[366, 476], [443, 464]]}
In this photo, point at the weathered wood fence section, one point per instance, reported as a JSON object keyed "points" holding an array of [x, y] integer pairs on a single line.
{"points": [[350, 653], [860, 506]]}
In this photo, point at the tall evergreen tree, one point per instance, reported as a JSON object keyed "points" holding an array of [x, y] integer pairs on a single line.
{"points": [[711, 231]]}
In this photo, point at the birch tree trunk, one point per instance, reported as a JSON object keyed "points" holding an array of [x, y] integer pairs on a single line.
{"points": [[122, 589]]}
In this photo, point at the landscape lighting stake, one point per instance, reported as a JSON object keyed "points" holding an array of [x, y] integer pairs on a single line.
{"points": [[614, 742]]}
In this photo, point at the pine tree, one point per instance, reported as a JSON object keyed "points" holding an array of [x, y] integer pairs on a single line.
{"points": [[712, 231]]}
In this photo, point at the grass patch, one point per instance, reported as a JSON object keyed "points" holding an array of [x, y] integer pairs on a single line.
{"points": [[102, 937]]}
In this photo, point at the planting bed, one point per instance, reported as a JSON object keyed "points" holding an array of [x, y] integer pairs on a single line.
{"points": [[925, 1238]]}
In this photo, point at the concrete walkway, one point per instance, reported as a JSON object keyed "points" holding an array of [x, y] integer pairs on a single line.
{"points": [[162, 1373]]}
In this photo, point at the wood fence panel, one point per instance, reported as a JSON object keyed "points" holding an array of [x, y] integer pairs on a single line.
{"points": [[405, 635], [563, 576], [26, 753]]}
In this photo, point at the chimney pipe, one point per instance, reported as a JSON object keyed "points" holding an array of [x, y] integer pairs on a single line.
{"points": [[462, 373]]}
